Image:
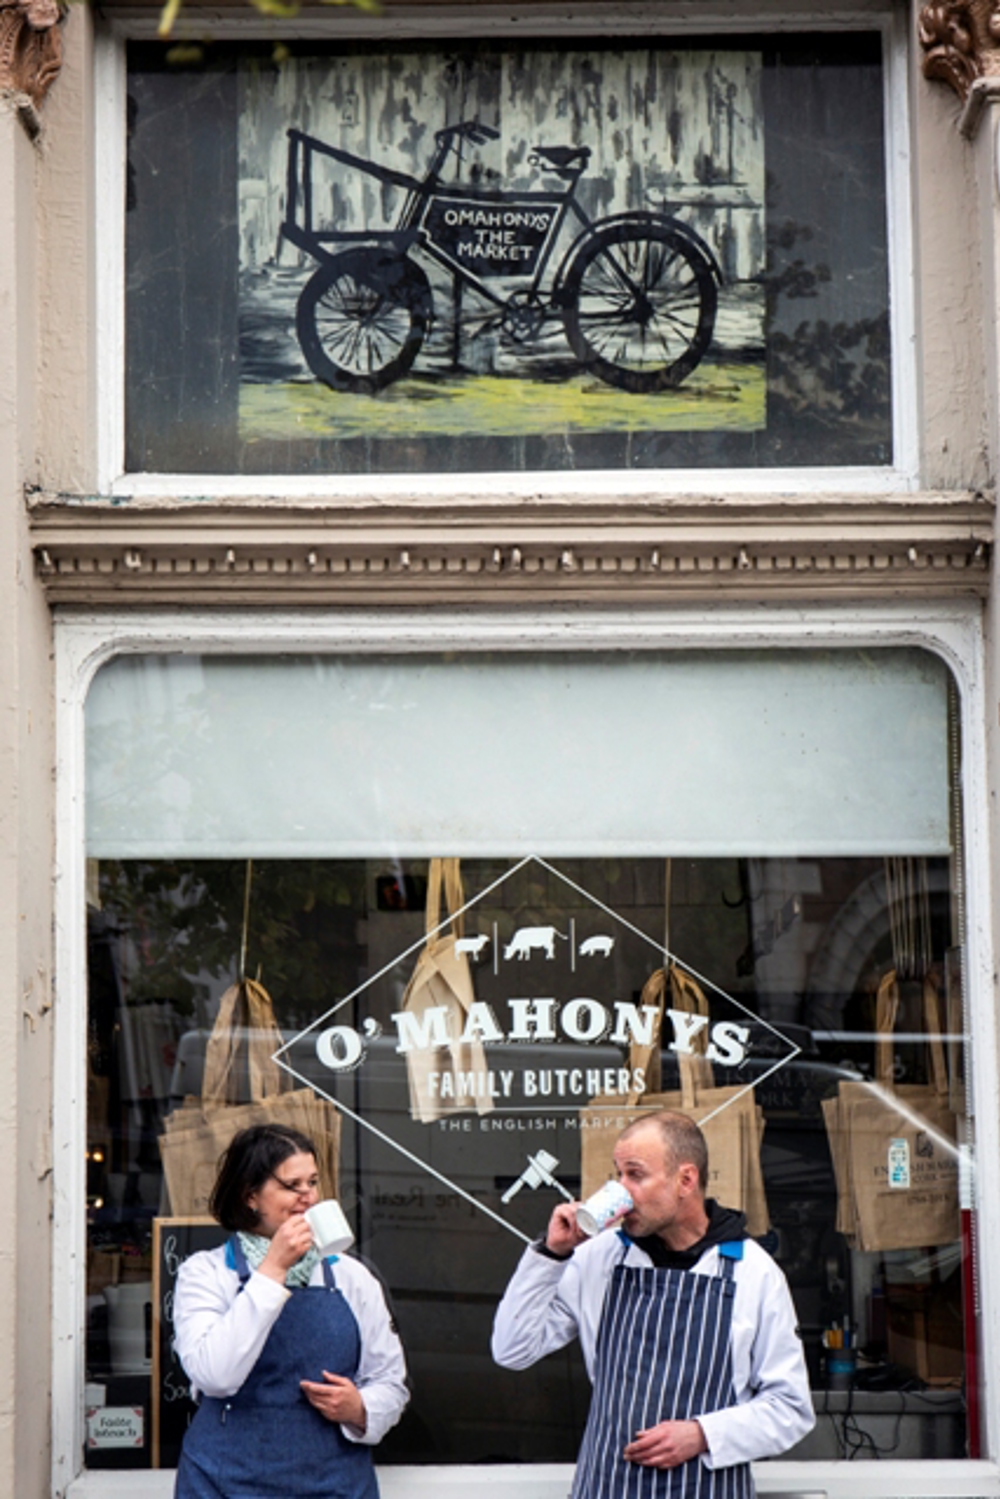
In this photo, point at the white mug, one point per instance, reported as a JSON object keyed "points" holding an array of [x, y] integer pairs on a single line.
{"points": [[607, 1204], [330, 1229]]}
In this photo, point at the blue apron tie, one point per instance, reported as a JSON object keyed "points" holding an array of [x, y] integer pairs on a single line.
{"points": [[266, 1441], [663, 1354]]}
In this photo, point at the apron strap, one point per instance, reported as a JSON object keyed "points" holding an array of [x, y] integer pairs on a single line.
{"points": [[328, 1277], [236, 1259], [729, 1253]]}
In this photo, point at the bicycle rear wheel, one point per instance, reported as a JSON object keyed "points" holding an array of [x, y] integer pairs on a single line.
{"points": [[362, 318], [640, 305]]}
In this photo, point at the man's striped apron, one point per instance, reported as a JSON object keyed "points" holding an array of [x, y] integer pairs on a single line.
{"points": [[663, 1354]]}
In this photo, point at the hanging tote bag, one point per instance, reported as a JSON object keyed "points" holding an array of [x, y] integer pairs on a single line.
{"points": [[732, 1123], [449, 1077], [894, 1146], [242, 1086]]}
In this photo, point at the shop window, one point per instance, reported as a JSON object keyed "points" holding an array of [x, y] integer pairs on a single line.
{"points": [[412, 258], [217, 841]]}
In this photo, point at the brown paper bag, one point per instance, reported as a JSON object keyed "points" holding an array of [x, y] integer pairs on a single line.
{"points": [[894, 1146], [837, 1134], [239, 1057], [443, 979], [732, 1123], [683, 993]]}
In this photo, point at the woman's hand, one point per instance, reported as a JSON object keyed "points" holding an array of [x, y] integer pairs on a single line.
{"points": [[337, 1399], [289, 1244]]}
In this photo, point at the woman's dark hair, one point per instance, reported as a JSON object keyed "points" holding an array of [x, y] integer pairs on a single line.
{"points": [[253, 1155]]}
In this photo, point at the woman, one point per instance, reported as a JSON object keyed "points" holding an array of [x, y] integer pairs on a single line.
{"points": [[296, 1359]]}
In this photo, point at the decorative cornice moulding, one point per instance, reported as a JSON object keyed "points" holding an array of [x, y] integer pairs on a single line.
{"points": [[30, 49], [208, 553]]}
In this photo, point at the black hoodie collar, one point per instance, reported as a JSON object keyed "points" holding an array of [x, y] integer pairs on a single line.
{"points": [[724, 1226]]}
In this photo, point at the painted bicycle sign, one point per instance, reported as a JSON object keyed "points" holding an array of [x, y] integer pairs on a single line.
{"points": [[636, 293]]}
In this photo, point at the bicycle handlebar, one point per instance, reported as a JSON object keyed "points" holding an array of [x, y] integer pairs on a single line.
{"points": [[470, 130]]}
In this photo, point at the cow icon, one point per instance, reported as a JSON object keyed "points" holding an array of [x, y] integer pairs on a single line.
{"points": [[597, 947], [474, 946], [529, 939]]}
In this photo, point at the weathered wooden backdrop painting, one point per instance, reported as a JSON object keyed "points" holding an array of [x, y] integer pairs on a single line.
{"points": [[498, 299]]}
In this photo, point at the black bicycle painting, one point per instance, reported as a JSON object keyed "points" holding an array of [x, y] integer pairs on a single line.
{"points": [[448, 249], [635, 293]]}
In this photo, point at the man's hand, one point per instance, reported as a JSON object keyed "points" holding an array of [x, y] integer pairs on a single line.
{"points": [[563, 1235], [337, 1399], [667, 1444]]}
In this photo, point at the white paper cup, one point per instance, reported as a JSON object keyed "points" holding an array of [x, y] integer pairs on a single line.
{"points": [[609, 1202], [330, 1229]]}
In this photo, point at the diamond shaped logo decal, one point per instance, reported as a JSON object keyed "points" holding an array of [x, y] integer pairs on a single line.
{"points": [[502, 1052]]}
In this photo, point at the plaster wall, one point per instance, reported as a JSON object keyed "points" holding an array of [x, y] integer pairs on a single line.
{"points": [[15, 177], [66, 430], [30, 996], [26, 829], [953, 427]]}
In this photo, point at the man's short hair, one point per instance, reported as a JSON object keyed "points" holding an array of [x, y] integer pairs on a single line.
{"points": [[683, 1141]]}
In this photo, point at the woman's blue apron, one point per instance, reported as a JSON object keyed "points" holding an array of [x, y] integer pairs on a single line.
{"points": [[663, 1354], [267, 1441]]}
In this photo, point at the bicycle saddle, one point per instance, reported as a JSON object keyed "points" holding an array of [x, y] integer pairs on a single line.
{"points": [[562, 159]]}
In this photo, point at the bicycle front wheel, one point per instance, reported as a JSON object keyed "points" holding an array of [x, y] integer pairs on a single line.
{"points": [[361, 319], [640, 305]]}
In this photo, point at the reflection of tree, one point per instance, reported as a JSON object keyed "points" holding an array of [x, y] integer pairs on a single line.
{"points": [[822, 372], [838, 368], [182, 923]]}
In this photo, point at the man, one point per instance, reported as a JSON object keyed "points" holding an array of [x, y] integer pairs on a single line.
{"points": [[687, 1328]]}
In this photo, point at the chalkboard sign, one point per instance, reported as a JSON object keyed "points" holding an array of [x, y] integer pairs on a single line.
{"points": [[174, 1239]]}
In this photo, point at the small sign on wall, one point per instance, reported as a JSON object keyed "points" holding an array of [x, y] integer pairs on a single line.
{"points": [[115, 1426], [899, 1164]]}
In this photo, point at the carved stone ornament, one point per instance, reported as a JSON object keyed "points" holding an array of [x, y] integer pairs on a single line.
{"points": [[30, 47], [961, 41]]}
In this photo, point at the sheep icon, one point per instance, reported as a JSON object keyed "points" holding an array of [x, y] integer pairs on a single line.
{"points": [[474, 946], [597, 947], [529, 939]]}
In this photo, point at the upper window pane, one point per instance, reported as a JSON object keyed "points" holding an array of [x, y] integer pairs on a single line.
{"points": [[419, 259], [755, 752]]}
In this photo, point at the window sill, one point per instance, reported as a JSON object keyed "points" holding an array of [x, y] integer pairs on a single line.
{"points": [[958, 1479]]}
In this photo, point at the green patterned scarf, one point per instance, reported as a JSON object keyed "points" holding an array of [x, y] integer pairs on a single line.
{"points": [[255, 1247]]}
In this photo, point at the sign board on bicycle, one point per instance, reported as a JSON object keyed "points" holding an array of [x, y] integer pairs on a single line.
{"points": [[497, 236]]}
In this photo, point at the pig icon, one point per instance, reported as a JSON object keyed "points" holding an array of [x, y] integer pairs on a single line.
{"points": [[597, 947], [529, 939], [472, 945]]}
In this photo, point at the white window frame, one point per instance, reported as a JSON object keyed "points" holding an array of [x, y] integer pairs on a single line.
{"points": [[590, 18], [84, 642]]}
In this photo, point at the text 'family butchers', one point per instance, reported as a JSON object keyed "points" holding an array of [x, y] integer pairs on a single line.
{"points": [[585, 1021]]}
